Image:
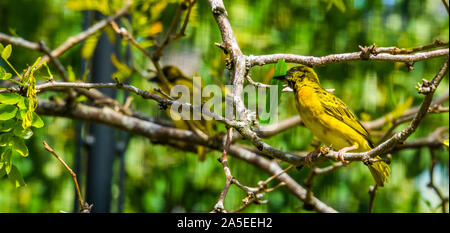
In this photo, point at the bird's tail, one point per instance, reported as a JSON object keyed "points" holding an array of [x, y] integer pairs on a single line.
{"points": [[380, 171]]}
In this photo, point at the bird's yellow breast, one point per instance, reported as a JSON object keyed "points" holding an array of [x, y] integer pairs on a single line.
{"points": [[329, 130]]}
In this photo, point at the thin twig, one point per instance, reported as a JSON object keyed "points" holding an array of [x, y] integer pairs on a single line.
{"points": [[446, 5], [84, 207], [185, 5], [220, 207]]}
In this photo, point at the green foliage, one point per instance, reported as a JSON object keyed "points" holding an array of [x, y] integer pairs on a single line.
{"points": [[16, 117], [6, 52]]}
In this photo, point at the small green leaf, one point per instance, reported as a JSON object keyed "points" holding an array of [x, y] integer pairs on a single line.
{"points": [[10, 98], [19, 146], [6, 52], [1, 47], [22, 133], [23, 103], [16, 177], [21, 113], [5, 139], [37, 121], [6, 126], [280, 68], [445, 142], [4, 75], [7, 112], [6, 160]]}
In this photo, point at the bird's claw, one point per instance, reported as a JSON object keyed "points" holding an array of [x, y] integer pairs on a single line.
{"points": [[340, 156], [308, 158]]}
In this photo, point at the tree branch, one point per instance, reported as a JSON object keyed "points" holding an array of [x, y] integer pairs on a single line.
{"points": [[335, 58]]}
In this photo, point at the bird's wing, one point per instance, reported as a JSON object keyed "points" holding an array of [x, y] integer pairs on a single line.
{"points": [[336, 108]]}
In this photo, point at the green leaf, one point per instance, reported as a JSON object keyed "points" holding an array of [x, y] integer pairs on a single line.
{"points": [[22, 133], [19, 146], [7, 112], [6, 160], [6, 52], [23, 104], [89, 46], [4, 75], [5, 139], [10, 98], [37, 121], [6, 126], [280, 68], [21, 113], [16, 177], [1, 47], [445, 142]]}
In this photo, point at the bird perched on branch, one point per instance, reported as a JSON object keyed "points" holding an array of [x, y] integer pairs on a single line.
{"points": [[330, 120], [203, 128]]}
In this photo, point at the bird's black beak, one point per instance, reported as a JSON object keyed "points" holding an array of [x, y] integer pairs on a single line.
{"points": [[281, 77]]}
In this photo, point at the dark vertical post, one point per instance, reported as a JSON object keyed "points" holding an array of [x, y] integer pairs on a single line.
{"points": [[80, 142], [102, 151]]}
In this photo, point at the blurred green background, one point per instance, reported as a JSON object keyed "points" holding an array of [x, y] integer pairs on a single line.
{"points": [[163, 179]]}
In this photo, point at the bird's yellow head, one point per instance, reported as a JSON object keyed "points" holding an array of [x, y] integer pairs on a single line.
{"points": [[172, 73], [298, 75]]}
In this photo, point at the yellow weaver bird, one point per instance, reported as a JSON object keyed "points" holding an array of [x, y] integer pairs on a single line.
{"points": [[203, 128], [330, 120]]}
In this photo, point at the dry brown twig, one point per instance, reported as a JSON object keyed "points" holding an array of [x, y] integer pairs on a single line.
{"points": [[84, 206], [254, 194], [220, 206]]}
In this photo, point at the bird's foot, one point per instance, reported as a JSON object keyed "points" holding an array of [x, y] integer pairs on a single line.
{"points": [[309, 157], [342, 151]]}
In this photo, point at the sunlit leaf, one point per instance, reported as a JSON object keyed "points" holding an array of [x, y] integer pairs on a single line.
{"points": [[6, 159], [6, 126], [70, 74], [16, 177], [6, 52], [37, 121], [339, 4], [4, 75], [19, 146], [445, 142], [7, 112], [5, 139], [22, 133], [146, 43], [89, 46], [10, 98], [152, 29], [123, 71], [81, 5]]}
